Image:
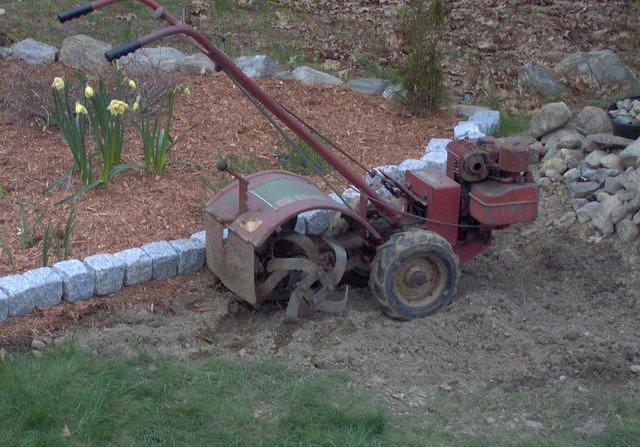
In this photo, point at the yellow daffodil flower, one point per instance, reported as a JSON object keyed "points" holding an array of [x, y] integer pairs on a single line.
{"points": [[58, 84], [131, 83], [135, 106], [80, 109], [117, 107], [186, 90], [88, 91]]}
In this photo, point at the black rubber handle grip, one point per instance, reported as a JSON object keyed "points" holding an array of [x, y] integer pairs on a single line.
{"points": [[123, 50], [75, 12]]}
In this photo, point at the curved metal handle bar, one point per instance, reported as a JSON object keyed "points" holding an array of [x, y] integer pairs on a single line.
{"points": [[233, 71]]}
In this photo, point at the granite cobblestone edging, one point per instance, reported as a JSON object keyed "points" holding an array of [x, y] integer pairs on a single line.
{"points": [[99, 275]]}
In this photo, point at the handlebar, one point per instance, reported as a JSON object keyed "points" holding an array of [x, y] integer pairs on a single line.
{"points": [[75, 12], [123, 50]]}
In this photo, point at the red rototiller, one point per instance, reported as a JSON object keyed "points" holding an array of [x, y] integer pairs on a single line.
{"points": [[410, 246]]}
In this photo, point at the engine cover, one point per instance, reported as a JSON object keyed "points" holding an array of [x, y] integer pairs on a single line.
{"points": [[495, 203]]}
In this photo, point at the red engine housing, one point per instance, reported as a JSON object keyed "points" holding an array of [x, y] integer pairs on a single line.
{"points": [[487, 185]]}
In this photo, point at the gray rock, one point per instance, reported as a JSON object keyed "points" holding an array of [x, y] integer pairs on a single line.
{"points": [[394, 93], [612, 185], [46, 286], [564, 138], [550, 117], [108, 273], [636, 218], [84, 53], [556, 165], [258, 66], [286, 75], [624, 195], [579, 203], [572, 175], [487, 120], [539, 80], [610, 212], [604, 141], [631, 181], [466, 110], [308, 75], [594, 159], [164, 258], [19, 293], [630, 156], [467, 130], [200, 238], [151, 60], [594, 69], [317, 221], [580, 190], [370, 86], [611, 161], [33, 52], [597, 175], [190, 256], [77, 280], [5, 52], [572, 157], [198, 63], [627, 231], [592, 120], [411, 164], [138, 266], [633, 205], [4, 305], [586, 212]]}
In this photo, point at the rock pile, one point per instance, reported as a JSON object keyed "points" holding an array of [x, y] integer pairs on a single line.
{"points": [[627, 112], [599, 169]]}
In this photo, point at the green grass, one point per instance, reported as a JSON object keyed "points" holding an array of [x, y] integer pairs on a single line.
{"points": [[513, 125], [69, 398], [151, 402]]}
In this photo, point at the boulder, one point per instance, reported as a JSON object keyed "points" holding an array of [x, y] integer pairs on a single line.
{"points": [[586, 212], [435, 153], [612, 185], [604, 141], [539, 80], [200, 64], [630, 156], [488, 121], [308, 75], [571, 176], [566, 137], [594, 69], [627, 231], [601, 219], [597, 175], [610, 161], [394, 93], [411, 164], [592, 120], [550, 117], [594, 159], [33, 52], [369, 86], [631, 181], [572, 157], [151, 60], [580, 190], [258, 66], [84, 53], [556, 165], [467, 130]]}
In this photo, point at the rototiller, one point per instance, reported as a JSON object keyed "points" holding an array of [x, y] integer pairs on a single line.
{"points": [[408, 235]]}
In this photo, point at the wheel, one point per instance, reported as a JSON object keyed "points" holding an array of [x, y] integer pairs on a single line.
{"points": [[414, 274]]}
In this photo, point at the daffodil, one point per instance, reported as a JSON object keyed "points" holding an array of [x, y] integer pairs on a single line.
{"points": [[117, 107], [131, 83], [80, 109], [88, 91], [58, 84], [135, 106], [186, 90]]}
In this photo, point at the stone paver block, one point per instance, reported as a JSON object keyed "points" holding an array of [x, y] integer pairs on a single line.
{"points": [[46, 286], [19, 293], [77, 280], [138, 266], [108, 273], [190, 256], [4, 305], [164, 258], [200, 237]]}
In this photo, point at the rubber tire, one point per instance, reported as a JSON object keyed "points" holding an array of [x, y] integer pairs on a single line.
{"points": [[389, 258]]}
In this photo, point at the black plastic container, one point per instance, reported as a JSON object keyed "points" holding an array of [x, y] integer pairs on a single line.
{"points": [[631, 131]]}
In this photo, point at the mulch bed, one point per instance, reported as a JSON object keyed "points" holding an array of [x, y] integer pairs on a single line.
{"points": [[135, 209]]}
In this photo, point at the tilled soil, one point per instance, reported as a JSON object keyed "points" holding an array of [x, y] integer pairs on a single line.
{"points": [[542, 327]]}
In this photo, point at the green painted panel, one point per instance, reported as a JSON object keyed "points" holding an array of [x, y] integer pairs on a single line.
{"points": [[281, 192]]}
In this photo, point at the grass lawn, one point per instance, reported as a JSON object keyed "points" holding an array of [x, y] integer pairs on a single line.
{"points": [[69, 398]]}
